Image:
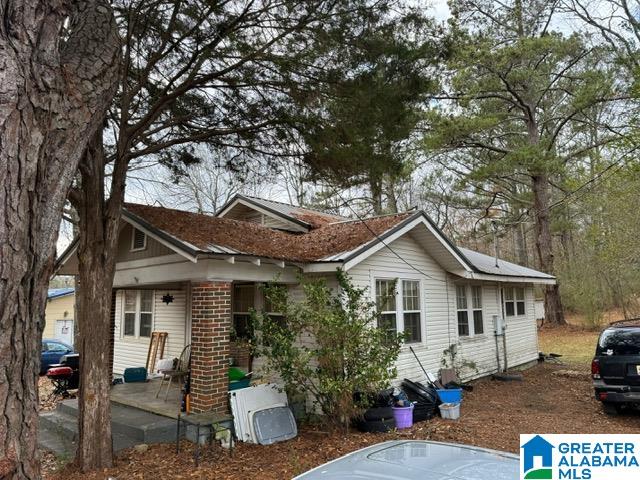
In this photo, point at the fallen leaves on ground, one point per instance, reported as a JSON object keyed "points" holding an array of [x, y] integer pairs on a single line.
{"points": [[47, 401], [494, 414]]}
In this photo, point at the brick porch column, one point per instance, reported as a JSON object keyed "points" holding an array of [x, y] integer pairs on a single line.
{"points": [[210, 328]]}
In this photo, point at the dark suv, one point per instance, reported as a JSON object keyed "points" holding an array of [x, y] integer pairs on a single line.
{"points": [[616, 367]]}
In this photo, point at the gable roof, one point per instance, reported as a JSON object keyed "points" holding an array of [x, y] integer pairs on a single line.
{"points": [[346, 242], [207, 234], [59, 292], [308, 218]]}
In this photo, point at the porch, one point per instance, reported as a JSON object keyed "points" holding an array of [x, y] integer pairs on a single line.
{"points": [[142, 395]]}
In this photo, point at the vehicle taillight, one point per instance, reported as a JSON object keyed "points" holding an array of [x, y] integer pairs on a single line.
{"points": [[595, 368]]}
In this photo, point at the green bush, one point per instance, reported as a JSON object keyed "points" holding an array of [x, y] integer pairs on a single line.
{"points": [[329, 347]]}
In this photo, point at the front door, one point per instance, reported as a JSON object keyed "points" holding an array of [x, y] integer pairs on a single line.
{"points": [[64, 331]]}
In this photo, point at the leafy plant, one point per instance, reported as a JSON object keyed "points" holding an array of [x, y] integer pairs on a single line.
{"points": [[452, 359], [329, 347]]}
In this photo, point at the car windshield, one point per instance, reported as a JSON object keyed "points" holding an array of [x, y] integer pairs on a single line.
{"points": [[620, 341]]}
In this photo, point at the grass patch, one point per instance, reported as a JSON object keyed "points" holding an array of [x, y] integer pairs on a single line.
{"points": [[576, 346]]}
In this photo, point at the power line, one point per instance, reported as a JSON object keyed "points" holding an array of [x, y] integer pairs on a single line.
{"points": [[381, 240]]}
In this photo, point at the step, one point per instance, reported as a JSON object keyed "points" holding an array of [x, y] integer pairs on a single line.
{"points": [[53, 441], [137, 424], [61, 424], [63, 448]]}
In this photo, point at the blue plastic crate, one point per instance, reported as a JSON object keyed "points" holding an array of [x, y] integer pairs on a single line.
{"points": [[450, 395]]}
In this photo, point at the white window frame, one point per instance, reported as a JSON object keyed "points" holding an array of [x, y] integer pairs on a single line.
{"points": [[399, 301], [418, 310], [470, 308], [515, 300], [137, 314], [133, 239]]}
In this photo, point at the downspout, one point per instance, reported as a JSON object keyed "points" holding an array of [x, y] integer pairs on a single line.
{"points": [[495, 335], [501, 329]]}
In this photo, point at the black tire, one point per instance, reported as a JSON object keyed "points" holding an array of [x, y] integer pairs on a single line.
{"points": [[610, 408], [379, 426], [378, 413]]}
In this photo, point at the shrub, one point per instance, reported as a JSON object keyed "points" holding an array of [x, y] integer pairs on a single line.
{"points": [[329, 346]]}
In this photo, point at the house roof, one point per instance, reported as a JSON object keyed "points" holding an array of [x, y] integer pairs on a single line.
{"points": [[342, 241], [208, 234], [306, 217], [59, 292], [487, 264]]}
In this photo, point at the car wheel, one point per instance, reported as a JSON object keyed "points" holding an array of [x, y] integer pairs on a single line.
{"points": [[611, 408]]}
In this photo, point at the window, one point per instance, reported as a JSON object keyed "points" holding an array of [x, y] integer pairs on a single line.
{"points": [[476, 304], [399, 307], [463, 313], [514, 303], [411, 310], [386, 303], [138, 240], [470, 318], [243, 303], [57, 347], [130, 304], [520, 301], [138, 313]]}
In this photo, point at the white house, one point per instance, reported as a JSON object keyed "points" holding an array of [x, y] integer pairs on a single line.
{"points": [[197, 276]]}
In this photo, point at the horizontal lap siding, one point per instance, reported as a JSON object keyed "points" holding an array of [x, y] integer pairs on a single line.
{"points": [[434, 297], [132, 352], [440, 316], [479, 349], [55, 310], [522, 334]]}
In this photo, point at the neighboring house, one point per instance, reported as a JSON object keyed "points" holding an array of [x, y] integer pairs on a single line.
{"points": [[198, 276], [59, 314]]}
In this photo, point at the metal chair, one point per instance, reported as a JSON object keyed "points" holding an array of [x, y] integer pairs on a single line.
{"points": [[180, 371]]}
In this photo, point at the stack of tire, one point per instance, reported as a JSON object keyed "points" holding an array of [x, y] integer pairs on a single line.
{"points": [[379, 417], [424, 397]]}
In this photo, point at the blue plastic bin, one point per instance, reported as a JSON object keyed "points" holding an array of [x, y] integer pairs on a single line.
{"points": [[450, 395]]}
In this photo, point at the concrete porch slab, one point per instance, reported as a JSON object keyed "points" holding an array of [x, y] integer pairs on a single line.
{"points": [[142, 395]]}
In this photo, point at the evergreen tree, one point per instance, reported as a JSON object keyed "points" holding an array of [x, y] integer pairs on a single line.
{"points": [[520, 97]]}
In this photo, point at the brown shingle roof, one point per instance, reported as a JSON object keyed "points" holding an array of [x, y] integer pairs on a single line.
{"points": [[205, 232]]}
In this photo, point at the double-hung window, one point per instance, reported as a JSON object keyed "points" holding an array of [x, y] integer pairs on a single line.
{"points": [[138, 313], [463, 310], [514, 303], [469, 310], [411, 310], [399, 307], [386, 302]]}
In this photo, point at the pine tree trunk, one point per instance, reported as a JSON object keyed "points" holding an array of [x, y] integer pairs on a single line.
{"points": [[375, 186], [97, 243], [553, 310], [51, 101], [520, 238]]}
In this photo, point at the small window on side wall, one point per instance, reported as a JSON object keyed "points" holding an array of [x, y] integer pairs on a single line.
{"points": [[138, 240], [514, 301]]}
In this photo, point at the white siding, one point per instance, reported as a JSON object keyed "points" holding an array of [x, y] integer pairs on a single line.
{"points": [[132, 352], [439, 314]]}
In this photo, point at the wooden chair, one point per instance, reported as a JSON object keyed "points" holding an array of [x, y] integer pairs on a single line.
{"points": [[180, 371]]}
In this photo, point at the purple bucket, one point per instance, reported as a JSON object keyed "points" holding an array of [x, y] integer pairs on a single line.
{"points": [[403, 416]]}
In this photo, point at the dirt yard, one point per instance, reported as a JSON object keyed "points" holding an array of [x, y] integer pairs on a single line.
{"points": [[553, 398]]}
